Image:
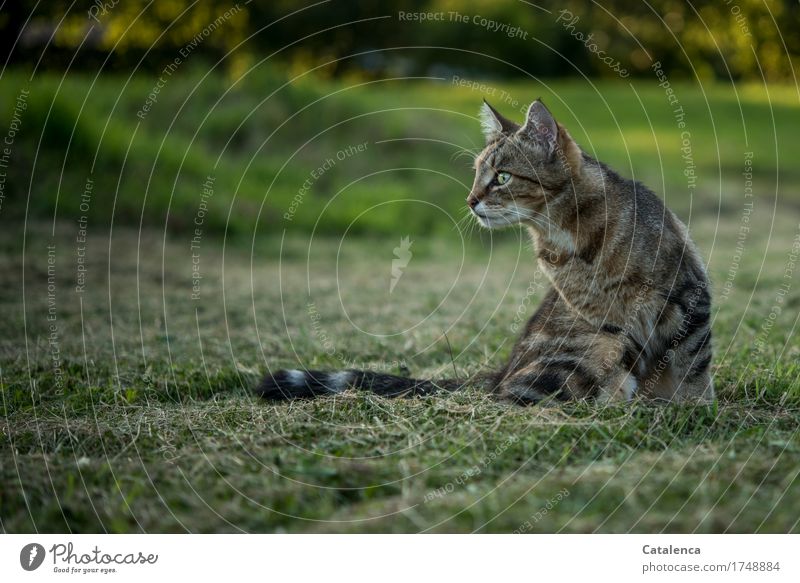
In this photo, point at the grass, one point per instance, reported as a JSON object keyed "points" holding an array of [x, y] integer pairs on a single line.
{"points": [[138, 415], [152, 426], [261, 137]]}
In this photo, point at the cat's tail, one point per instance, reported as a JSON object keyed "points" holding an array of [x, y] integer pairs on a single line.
{"points": [[306, 384]]}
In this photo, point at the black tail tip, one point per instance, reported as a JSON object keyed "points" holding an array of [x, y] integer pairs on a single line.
{"points": [[274, 386]]}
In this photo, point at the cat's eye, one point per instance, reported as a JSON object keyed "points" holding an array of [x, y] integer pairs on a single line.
{"points": [[503, 177]]}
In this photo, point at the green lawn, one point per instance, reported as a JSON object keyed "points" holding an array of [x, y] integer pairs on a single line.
{"points": [[148, 425], [262, 136], [130, 408]]}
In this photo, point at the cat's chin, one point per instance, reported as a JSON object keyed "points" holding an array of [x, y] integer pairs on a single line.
{"points": [[495, 222]]}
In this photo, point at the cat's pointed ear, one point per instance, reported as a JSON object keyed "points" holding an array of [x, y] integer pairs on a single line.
{"points": [[494, 125], [541, 126]]}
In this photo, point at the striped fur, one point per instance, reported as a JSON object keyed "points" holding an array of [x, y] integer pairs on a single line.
{"points": [[628, 311]]}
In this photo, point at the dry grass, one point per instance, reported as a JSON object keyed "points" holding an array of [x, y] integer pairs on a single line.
{"points": [[153, 427]]}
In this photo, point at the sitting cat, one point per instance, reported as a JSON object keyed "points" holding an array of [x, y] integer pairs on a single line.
{"points": [[629, 307]]}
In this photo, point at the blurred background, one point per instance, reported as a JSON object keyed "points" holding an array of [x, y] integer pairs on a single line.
{"points": [[141, 102]]}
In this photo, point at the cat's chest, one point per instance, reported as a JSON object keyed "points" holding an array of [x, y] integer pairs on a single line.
{"points": [[578, 283]]}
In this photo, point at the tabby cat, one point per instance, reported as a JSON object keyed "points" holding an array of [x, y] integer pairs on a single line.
{"points": [[628, 310]]}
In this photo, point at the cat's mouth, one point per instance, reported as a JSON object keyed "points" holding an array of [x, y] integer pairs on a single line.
{"points": [[494, 218]]}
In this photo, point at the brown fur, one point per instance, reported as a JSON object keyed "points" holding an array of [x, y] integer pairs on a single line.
{"points": [[628, 312]]}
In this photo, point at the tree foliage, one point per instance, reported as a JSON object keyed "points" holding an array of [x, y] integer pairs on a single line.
{"points": [[737, 39]]}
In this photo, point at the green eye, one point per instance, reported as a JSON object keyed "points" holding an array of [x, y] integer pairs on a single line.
{"points": [[503, 177]]}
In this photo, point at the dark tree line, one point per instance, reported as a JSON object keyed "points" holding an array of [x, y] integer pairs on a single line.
{"points": [[739, 39]]}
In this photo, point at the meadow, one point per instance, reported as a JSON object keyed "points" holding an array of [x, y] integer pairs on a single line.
{"points": [[129, 342], [263, 140]]}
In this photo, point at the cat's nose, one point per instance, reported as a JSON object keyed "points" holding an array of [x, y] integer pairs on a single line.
{"points": [[472, 201]]}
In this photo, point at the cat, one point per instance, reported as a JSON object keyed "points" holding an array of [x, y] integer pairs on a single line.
{"points": [[628, 310]]}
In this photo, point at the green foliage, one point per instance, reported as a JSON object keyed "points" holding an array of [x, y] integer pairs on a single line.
{"points": [[741, 39]]}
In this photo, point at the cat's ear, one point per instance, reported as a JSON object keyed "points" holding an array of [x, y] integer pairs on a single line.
{"points": [[494, 125], [541, 126]]}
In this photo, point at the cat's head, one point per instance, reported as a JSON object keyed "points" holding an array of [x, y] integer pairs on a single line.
{"points": [[521, 168]]}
